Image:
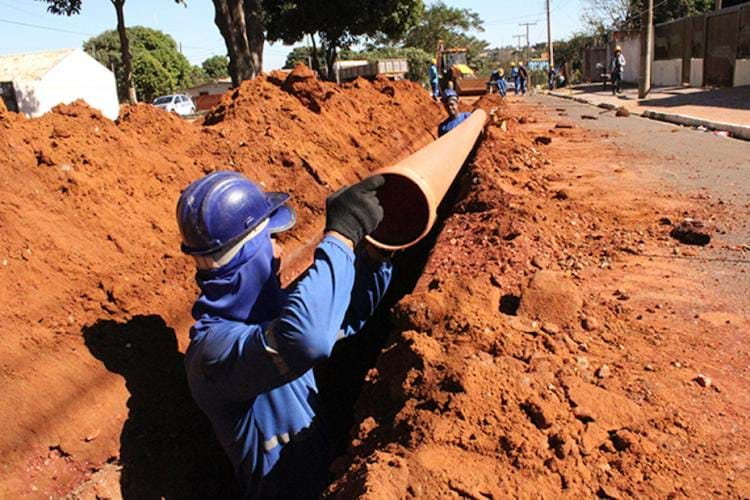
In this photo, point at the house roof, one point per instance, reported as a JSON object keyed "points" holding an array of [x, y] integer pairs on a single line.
{"points": [[30, 66]]}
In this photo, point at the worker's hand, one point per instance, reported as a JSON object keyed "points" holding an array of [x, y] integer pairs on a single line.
{"points": [[355, 211]]}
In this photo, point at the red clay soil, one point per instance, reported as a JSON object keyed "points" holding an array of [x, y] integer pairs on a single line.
{"points": [[544, 353], [96, 295], [541, 352]]}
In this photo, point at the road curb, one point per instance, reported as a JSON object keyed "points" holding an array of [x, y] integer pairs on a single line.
{"points": [[737, 131]]}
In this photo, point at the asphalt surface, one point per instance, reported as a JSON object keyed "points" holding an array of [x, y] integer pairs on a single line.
{"points": [[689, 162]]}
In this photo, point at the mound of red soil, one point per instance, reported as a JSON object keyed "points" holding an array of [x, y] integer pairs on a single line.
{"points": [[94, 289]]}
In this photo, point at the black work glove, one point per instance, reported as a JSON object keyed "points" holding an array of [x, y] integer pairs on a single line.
{"points": [[355, 211]]}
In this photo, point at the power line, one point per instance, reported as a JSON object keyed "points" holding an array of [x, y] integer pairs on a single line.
{"points": [[29, 25]]}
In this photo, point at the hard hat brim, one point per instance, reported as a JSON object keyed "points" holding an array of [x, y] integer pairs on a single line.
{"points": [[283, 217]]}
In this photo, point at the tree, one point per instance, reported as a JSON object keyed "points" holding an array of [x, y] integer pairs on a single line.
{"points": [[304, 54], [338, 23], [602, 16], [158, 67], [441, 22], [241, 24], [70, 7], [216, 67]]}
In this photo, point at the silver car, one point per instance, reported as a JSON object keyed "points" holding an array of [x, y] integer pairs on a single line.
{"points": [[178, 103]]}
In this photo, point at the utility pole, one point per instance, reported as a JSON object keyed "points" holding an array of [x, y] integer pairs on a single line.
{"points": [[647, 44], [549, 39], [527, 38]]}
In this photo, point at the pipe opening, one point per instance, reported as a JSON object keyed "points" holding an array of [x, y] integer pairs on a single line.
{"points": [[406, 212]]}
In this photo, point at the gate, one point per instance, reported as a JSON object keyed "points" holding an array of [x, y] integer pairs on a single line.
{"points": [[721, 48]]}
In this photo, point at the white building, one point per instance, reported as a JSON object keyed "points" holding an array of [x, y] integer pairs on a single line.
{"points": [[36, 82], [207, 95]]}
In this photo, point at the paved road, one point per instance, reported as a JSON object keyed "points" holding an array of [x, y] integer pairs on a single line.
{"points": [[687, 161]]}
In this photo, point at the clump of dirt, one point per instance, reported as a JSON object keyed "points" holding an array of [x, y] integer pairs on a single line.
{"points": [[692, 232], [90, 247]]}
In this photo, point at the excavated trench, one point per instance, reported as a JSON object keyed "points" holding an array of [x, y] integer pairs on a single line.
{"points": [[341, 378]]}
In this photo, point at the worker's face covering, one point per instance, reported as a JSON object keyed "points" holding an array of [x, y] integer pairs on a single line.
{"points": [[245, 289]]}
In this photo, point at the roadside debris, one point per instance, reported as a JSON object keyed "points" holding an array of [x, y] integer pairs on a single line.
{"points": [[691, 232], [622, 111]]}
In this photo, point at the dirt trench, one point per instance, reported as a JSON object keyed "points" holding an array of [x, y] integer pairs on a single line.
{"points": [[96, 295]]}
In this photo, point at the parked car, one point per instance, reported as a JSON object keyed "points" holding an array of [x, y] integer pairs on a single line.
{"points": [[179, 103]]}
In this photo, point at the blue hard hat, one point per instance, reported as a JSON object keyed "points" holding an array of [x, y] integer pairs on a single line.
{"points": [[448, 93], [221, 208]]}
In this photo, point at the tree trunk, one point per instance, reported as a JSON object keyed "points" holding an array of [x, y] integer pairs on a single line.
{"points": [[125, 50], [330, 59], [314, 53], [239, 22], [256, 33]]}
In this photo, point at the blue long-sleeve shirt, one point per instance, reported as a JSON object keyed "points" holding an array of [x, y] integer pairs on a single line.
{"points": [[255, 381], [450, 123]]}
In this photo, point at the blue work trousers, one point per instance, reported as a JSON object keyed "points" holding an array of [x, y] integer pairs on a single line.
{"points": [[502, 87]]}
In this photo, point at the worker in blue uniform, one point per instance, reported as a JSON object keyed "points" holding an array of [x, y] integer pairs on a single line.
{"points": [[450, 102], [253, 345], [434, 80]]}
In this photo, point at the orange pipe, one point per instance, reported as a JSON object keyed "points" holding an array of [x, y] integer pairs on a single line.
{"points": [[415, 186]]}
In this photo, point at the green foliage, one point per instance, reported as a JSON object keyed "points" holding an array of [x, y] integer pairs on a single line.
{"points": [[302, 55], [419, 60], [338, 23], [450, 24], [152, 79], [216, 67], [154, 57], [63, 7]]}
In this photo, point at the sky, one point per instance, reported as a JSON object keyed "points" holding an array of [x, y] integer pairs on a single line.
{"points": [[26, 26]]}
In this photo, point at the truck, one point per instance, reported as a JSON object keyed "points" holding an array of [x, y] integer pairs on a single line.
{"points": [[455, 73], [395, 69]]}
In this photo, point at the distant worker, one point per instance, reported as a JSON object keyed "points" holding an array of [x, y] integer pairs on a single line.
{"points": [[497, 80], [502, 86], [516, 79], [434, 80], [450, 101], [523, 76], [552, 78], [253, 345], [616, 67]]}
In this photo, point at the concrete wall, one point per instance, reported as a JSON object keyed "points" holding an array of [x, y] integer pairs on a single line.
{"points": [[696, 72], [742, 72], [631, 49], [667, 73], [76, 76]]}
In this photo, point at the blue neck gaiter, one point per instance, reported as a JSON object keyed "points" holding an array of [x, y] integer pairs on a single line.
{"points": [[246, 289]]}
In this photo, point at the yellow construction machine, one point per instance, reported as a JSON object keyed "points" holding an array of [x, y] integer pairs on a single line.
{"points": [[455, 73]]}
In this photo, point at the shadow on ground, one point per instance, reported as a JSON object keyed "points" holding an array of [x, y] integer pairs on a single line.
{"points": [[167, 446]]}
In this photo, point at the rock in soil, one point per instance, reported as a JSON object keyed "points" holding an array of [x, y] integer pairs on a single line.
{"points": [[691, 232], [703, 380], [590, 324], [603, 372], [622, 112]]}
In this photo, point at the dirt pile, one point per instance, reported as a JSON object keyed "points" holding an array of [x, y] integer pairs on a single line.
{"points": [[510, 371], [94, 288]]}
